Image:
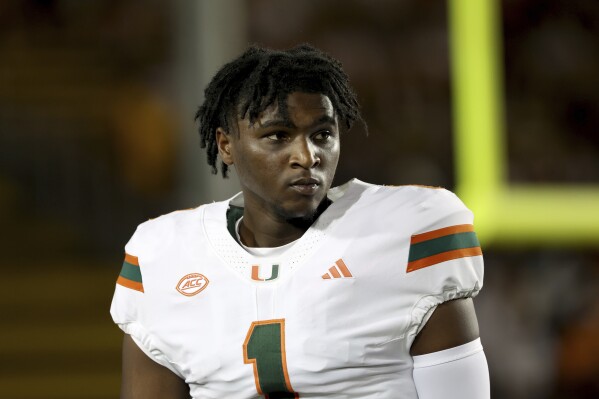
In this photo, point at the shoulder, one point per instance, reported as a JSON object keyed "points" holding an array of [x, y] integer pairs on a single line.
{"points": [[169, 220], [421, 208], [161, 231], [424, 197], [439, 225]]}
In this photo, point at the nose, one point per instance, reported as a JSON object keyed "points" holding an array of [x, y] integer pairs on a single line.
{"points": [[304, 154]]}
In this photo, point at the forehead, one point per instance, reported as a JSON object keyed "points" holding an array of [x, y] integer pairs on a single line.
{"points": [[309, 101], [299, 107]]}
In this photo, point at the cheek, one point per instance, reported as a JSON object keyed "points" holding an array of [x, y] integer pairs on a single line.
{"points": [[255, 168], [332, 157]]}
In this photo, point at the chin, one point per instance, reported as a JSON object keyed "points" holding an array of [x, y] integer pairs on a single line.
{"points": [[304, 214]]}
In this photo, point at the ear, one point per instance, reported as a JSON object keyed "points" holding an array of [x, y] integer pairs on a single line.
{"points": [[223, 142]]}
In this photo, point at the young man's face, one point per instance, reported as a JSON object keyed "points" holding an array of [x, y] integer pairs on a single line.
{"points": [[286, 164]]}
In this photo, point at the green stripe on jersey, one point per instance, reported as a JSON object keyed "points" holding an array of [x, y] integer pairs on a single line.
{"points": [[131, 272], [443, 244]]}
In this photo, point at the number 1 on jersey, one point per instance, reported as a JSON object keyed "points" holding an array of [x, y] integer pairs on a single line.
{"points": [[264, 349]]}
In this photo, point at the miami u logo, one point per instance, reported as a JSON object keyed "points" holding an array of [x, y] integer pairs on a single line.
{"points": [[274, 273]]}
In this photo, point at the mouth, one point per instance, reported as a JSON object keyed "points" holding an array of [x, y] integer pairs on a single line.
{"points": [[306, 186]]}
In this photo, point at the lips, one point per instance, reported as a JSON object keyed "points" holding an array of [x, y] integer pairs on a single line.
{"points": [[306, 181], [306, 186]]}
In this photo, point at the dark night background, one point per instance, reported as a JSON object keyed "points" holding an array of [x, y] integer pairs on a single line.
{"points": [[96, 136]]}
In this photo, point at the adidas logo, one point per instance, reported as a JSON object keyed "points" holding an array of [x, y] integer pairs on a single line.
{"points": [[338, 270]]}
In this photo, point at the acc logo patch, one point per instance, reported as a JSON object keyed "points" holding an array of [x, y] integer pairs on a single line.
{"points": [[192, 284]]}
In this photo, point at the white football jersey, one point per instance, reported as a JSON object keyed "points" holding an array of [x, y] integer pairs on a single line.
{"points": [[334, 316]]}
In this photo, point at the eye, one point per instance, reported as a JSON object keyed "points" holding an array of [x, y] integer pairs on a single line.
{"points": [[277, 136], [323, 135]]}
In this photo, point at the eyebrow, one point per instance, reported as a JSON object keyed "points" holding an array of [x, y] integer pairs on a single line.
{"points": [[325, 119]]}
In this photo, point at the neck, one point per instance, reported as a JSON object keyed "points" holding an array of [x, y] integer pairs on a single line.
{"points": [[262, 230]]}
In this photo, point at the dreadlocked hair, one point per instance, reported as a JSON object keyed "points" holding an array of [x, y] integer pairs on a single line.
{"points": [[249, 84]]}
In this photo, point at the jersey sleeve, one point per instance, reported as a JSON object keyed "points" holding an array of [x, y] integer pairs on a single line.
{"points": [[445, 258], [131, 302]]}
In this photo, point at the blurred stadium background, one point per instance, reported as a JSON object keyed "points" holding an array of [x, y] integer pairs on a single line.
{"points": [[96, 135]]}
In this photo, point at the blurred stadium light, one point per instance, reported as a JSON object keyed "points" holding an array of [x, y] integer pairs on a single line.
{"points": [[506, 214]]}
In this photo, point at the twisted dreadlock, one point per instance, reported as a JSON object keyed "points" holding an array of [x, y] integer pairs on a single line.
{"points": [[247, 85]]}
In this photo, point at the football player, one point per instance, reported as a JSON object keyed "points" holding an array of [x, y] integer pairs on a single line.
{"points": [[293, 288]]}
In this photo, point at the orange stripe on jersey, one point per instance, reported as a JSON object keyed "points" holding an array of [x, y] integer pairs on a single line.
{"points": [[344, 270], [334, 272], [134, 285], [461, 228], [131, 259], [442, 257]]}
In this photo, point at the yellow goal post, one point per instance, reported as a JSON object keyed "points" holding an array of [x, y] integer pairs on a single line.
{"points": [[505, 214]]}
